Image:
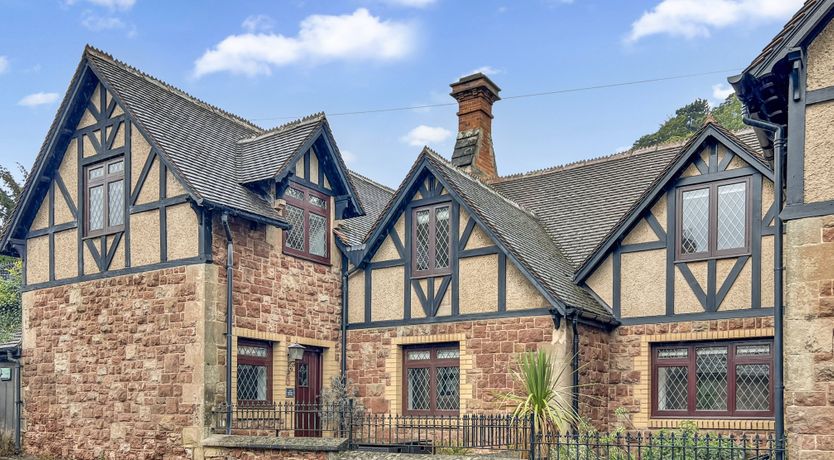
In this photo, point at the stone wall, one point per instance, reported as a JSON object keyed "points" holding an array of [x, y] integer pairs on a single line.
{"points": [[593, 375], [630, 361], [278, 298], [113, 368], [488, 352], [809, 337]]}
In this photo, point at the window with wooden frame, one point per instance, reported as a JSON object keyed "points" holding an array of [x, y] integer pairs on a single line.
{"points": [[308, 212], [713, 379], [431, 240], [431, 379], [254, 372], [713, 220], [104, 197]]}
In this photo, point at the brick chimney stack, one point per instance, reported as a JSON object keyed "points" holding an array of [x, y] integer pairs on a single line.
{"points": [[473, 148]]}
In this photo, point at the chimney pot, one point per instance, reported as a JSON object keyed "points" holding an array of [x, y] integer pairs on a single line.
{"points": [[473, 149]]}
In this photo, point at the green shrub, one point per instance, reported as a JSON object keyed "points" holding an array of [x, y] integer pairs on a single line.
{"points": [[10, 314]]}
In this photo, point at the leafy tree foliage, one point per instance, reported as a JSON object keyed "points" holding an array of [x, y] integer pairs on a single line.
{"points": [[10, 300], [691, 117], [10, 190]]}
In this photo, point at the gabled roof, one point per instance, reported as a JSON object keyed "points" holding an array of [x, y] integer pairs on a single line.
{"points": [[374, 197], [516, 231], [262, 156], [710, 131], [579, 203]]}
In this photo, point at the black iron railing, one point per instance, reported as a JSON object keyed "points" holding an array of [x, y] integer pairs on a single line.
{"points": [[483, 433]]}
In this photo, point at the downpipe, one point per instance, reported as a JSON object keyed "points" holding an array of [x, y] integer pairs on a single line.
{"points": [[18, 400], [343, 364], [224, 218], [779, 152], [575, 365]]}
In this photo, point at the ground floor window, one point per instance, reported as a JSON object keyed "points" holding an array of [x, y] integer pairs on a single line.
{"points": [[713, 379], [254, 372], [431, 379]]}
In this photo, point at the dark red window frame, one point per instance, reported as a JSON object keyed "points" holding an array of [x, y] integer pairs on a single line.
{"points": [[690, 362], [104, 182], [307, 208], [432, 269], [431, 364], [712, 242], [256, 361]]}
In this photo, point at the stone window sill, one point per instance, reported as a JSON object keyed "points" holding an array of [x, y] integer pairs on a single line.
{"points": [[714, 424]]}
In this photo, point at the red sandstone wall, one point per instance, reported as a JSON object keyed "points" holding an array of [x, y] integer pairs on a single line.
{"points": [[593, 375], [106, 369]]}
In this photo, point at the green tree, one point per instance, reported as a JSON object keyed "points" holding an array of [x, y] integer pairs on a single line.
{"points": [[10, 190], [691, 117], [10, 301]]}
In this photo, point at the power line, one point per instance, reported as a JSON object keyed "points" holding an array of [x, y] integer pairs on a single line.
{"points": [[521, 96]]}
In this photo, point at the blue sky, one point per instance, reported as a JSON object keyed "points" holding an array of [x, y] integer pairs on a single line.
{"points": [[270, 61]]}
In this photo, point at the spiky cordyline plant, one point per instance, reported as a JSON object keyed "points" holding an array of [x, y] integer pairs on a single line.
{"points": [[544, 396]]}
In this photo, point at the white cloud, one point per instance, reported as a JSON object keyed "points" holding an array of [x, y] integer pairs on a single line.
{"points": [[257, 23], [4, 64], [486, 70], [696, 18], [425, 135], [348, 156], [111, 4], [720, 91], [321, 38], [37, 99], [411, 3], [98, 23]]}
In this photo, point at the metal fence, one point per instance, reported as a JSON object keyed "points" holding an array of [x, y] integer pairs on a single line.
{"points": [[474, 434]]}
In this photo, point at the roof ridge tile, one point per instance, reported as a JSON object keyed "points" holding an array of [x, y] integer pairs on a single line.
{"points": [[372, 182], [313, 117]]}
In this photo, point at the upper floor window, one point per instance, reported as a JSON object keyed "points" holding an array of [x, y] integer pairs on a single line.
{"points": [[104, 187], [432, 379], [432, 240], [715, 379], [309, 214], [254, 372], [714, 219]]}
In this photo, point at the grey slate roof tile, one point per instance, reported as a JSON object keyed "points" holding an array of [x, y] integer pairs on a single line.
{"points": [[374, 198], [262, 156]]}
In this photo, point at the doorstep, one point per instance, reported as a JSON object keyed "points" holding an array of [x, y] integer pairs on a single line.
{"points": [[274, 443]]}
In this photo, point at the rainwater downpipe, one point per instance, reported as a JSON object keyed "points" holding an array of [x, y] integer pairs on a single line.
{"points": [[778, 273], [229, 318], [343, 359], [575, 365], [18, 400]]}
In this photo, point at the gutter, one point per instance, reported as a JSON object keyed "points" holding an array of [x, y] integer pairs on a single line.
{"points": [[224, 218], [779, 153], [18, 400], [226, 210]]}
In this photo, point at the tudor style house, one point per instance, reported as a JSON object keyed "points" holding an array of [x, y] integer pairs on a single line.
{"points": [[175, 255]]}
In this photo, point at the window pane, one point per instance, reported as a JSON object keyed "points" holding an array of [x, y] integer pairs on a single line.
{"points": [[695, 221], [295, 236], [732, 216], [116, 202], [418, 389], [422, 239], [294, 193], [448, 384], [672, 353], [448, 354], [303, 375], [317, 202], [421, 355], [318, 235], [753, 387], [441, 237], [96, 208], [711, 381], [115, 167], [672, 388], [761, 349], [250, 350], [251, 382], [96, 172]]}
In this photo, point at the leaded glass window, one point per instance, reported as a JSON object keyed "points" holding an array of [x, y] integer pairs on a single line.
{"points": [[713, 219], [432, 240], [308, 212], [104, 198], [254, 372], [432, 379], [724, 379]]}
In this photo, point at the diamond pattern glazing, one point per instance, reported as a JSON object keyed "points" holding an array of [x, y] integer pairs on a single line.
{"points": [[248, 350], [711, 379], [448, 388], [695, 221], [441, 238], [251, 382], [295, 193], [672, 388], [96, 208], [418, 389], [295, 236], [753, 387], [422, 243], [318, 235], [116, 202], [732, 216]]}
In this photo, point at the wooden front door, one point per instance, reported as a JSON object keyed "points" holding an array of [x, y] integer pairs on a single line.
{"points": [[308, 393]]}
